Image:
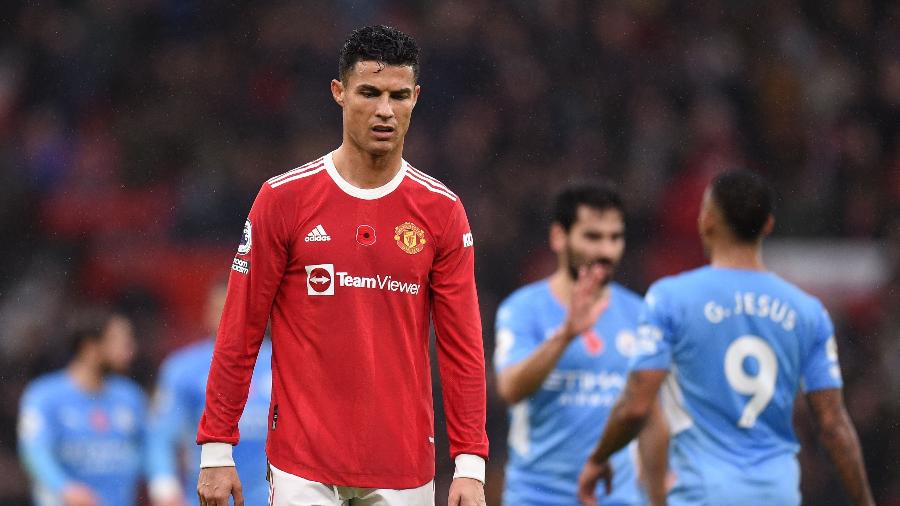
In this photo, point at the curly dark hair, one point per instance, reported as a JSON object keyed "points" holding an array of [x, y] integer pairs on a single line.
{"points": [[379, 43]]}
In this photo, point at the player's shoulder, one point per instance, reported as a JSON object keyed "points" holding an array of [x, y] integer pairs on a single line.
{"points": [[626, 294], [680, 280], [800, 297], [428, 187], [527, 297], [189, 355], [47, 385], [296, 179], [125, 387]]}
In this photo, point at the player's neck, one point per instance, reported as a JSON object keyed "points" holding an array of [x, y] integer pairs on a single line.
{"points": [[365, 170], [561, 285], [86, 375], [729, 255]]}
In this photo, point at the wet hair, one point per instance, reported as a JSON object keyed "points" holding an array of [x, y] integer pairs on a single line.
{"points": [[379, 43], [600, 197], [88, 325], [746, 201]]}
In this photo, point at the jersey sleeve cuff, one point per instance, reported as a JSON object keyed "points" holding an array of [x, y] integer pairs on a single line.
{"points": [[469, 466], [216, 455], [164, 488]]}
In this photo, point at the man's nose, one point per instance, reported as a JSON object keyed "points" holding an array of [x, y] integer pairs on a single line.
{"points": [[384, 109], [605, 249]]}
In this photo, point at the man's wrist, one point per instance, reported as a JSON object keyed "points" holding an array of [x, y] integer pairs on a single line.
{"points": [[565, 333], [216, 455], [469, 466], [598, 458]]}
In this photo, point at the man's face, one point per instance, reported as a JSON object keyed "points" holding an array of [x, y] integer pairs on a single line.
{"points": [[596, 237], [117, 345], [378, 101]]}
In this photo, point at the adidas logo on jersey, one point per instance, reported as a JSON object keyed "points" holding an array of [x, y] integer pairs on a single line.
{"points": [[318, 234]]}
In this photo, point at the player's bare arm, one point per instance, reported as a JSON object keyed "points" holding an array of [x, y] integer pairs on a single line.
{"points": [[653, 448], [626, 420], [466, 492], [216, 484], [520, 380], [839, 438]]}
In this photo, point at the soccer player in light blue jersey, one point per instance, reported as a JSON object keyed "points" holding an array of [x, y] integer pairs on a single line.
{"points": [[734, 344], [81, 429], [177, 407], [563, 345]]}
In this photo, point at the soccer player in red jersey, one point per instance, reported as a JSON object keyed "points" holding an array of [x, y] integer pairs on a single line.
{"points": [[352, 256]]}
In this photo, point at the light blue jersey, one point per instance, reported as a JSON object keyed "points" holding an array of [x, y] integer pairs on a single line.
{"points": [[68, 435], [739, 345], [553, 431], [178, 405]]}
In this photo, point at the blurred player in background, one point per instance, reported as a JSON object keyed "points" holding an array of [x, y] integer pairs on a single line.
{"points": [[178, 405], [353, 255], [81, 429], [736, 342], [563, 345]]}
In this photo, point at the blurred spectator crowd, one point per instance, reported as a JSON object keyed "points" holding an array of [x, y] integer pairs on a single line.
{"points": [[134, 136]]}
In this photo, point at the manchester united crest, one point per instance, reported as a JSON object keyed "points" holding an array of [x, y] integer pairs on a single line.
{"points": [[410, 238]]}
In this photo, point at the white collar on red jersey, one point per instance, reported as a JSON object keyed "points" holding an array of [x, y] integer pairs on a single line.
{"points": [[364, 193]]}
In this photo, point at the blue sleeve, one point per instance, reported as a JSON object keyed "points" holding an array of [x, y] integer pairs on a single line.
{"points": [[656, 331], [821, 369], [516, 337], [168, 417], [37, 437]]}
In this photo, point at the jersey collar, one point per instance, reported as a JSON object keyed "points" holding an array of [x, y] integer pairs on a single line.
{"points": [[364, 193]]}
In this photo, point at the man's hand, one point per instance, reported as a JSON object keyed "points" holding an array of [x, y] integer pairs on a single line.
{"points": [[216, 484], [466, 492], [591, 473], [77, 494], [585, 307]]}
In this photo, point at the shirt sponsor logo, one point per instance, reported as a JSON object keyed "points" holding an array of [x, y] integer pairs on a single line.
{"points": [[320, 279], [378, 282], [317, 234], [585, 387], [240, 265], [468, 240], [410, 238], [246, 239]]}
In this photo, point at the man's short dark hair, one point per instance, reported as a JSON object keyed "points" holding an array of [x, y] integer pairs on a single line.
{"points": [[745, 200], [381, 44], [86, 326], [600, 197]]}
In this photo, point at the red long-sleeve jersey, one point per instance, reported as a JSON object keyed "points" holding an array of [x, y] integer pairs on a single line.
{"points": [[350, 278]]}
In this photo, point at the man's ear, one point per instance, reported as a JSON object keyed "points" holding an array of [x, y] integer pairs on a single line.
{"points": [[415, 97], [769, 226], [337, 91], [557, 238]]}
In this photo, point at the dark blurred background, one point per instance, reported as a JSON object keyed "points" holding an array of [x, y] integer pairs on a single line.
{"points": [[135, 134]]}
